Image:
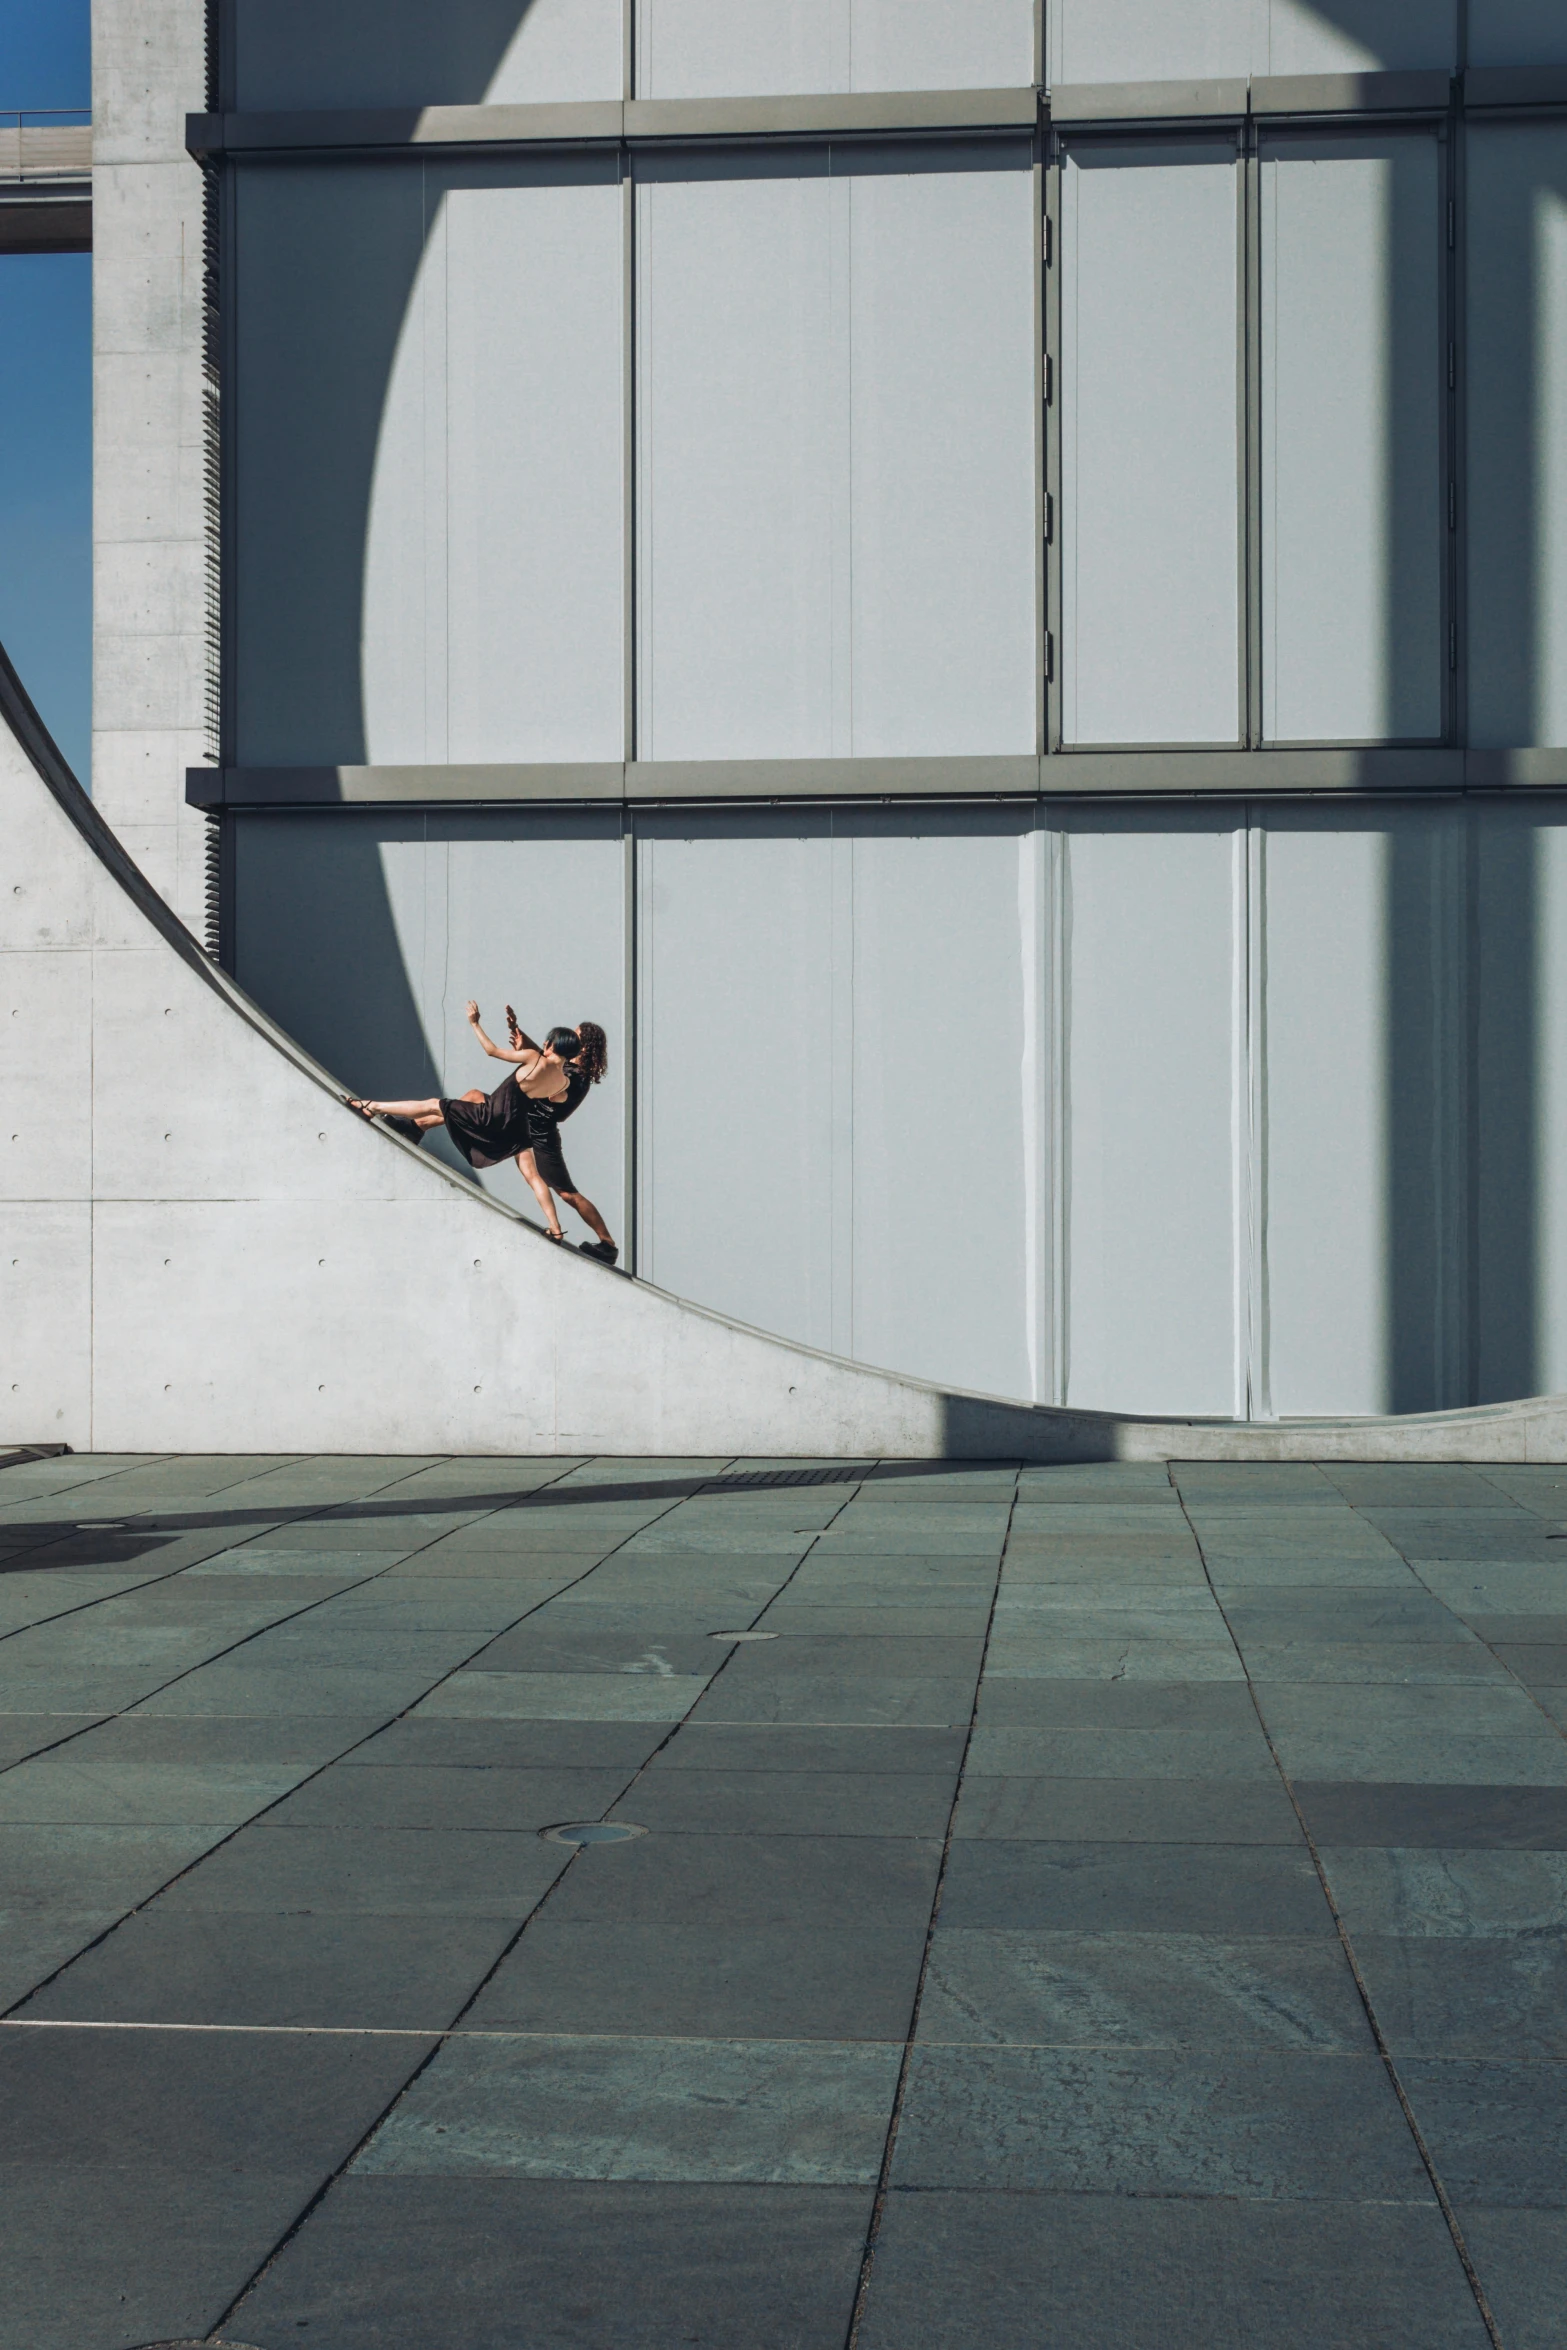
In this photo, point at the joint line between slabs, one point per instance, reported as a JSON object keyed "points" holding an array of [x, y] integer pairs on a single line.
{"points": [[889, 2148], [1487, 2314]]}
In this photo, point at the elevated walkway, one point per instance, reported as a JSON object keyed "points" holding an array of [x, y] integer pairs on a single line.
{"points": [[45, 183], [206, 1249]]}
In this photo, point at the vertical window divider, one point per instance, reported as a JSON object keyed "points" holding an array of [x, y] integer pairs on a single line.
{"points": [[630, 991], [1047, 348], [1455, 614], [1250, 458]]}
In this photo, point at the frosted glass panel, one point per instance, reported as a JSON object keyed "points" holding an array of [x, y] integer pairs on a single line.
{"points": [[1517, 32], [1363, 1048], [834, 967], [1151, 1062], [352, 53], [742, 471], [1148, 40], [837, 451], [535, 487], [756, 48], [1517, 360], [949, 950], [1353, 533], [430, 459], [944, 453], [1176, 40], [1361, 36], [1149, 454], [740, 1125]]}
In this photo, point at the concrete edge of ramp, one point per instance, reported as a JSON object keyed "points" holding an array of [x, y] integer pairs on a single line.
{"points": [[206, 1250]]}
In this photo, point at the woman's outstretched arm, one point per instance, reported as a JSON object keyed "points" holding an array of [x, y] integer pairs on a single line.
{"points": [[498, 1052]]}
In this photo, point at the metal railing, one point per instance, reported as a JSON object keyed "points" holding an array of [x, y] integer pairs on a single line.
{"points": [[45, 143]]}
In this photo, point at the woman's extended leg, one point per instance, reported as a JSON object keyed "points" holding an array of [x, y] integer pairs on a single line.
{"points": [[541, 1192], [423, 1113]]}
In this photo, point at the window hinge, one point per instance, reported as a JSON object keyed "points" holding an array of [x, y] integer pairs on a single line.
{"points": [[1452, 644], [1050, 657], [1047, 240], [1452, 365], [1050, 379], [1452, 505], [1452, 224], [1050, 518]]}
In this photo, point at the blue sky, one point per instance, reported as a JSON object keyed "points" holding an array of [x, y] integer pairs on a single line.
{"points": [[46, 407]]}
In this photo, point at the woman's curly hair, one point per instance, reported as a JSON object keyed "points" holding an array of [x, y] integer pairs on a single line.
{"points": [[593, 1059]]}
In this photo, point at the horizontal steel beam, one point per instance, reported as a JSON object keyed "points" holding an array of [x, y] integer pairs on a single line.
{"points": [[630, 120], [1153, 774], [826, 115]]}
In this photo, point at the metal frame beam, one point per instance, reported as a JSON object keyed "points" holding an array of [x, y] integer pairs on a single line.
{"points": [[1368, 771]]}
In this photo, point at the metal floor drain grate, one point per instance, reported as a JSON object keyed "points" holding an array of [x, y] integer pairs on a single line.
{"points": [[592, 1832], [753, 1480]]}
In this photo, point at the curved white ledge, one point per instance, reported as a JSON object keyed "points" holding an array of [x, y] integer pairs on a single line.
{"points": [[206, 1250]]}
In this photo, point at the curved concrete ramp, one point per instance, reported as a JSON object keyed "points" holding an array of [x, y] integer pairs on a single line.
{"points": [[203, 1249]]}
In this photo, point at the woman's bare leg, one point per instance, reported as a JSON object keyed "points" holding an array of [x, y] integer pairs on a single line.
{"points": [[541, 1191], [589, 1214], [428, 1113]]}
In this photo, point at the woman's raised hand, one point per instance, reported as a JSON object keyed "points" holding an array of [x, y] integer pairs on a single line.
{"points": [[473, 1011]]}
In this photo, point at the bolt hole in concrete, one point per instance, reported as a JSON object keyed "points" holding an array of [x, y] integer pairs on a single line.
{"points": [[592, 1832], [742, 1636]]}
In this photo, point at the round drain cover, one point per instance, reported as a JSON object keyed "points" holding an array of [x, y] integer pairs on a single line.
{"points": [[592, 1832], [742, 1636]]}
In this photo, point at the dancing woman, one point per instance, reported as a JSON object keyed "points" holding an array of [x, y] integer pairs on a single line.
{"points": [[520, 1118]]}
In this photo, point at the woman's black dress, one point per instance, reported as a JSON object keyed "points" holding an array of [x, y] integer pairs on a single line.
{"points": [[492, 1130]]}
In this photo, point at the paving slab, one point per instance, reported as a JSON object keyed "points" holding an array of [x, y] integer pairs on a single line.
{"points": [[334, 1973], [563, 1697], [266, 1871], [402, 2263], [787, 2112], [742, 1982], [1128, 1811], [738, 1879], [1247, 2123], [965, 2271], [1065, 1990], [791, 1803], [1148, 1888], [442, 1796], [1450, 1818]]}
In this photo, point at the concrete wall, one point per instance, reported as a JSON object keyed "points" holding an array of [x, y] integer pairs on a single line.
{"points": [[149, 578]]}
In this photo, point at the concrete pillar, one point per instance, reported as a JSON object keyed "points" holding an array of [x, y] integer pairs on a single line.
{"points": [[149, 529]]}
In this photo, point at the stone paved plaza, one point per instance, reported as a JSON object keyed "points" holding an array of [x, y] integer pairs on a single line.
{"points": [[1108, 1908]]}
